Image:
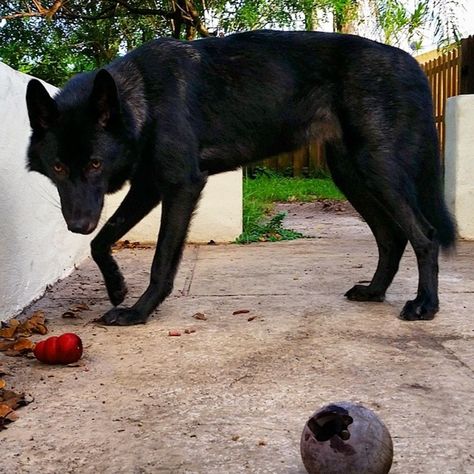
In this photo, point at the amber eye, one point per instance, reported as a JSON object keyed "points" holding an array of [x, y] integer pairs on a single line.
{"points": [[95, 164], [58, 167]]}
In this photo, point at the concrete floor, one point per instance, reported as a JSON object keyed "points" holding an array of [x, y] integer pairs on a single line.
{"points": [[234, 396]]}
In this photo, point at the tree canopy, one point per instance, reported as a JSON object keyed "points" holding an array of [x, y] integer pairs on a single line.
{"points": [[54, 39]]}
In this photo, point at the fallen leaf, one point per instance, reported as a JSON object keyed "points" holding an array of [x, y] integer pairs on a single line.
{"points": [[4, 410], [251, 318], [12, 399], [17, 347], [71, 315], [23, 345], [81, 307], [2, 383], [6, 345], [200, 316], [9, 331], [34, 324], [12, 416], [241, 311]]}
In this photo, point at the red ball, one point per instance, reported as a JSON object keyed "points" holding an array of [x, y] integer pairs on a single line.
{"points": [[346, 438]]}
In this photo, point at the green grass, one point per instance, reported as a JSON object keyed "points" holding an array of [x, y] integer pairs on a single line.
{"points": [[265, 189]]}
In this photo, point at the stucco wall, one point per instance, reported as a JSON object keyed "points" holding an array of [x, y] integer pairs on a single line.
{"points": [[36, 247], [218, 218], [459, 162]]}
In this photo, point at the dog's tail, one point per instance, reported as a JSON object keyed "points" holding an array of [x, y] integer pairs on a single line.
{"points": [[432, 202]]}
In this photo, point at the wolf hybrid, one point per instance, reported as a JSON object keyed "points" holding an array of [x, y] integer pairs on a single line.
{"points": [[170, 113]]}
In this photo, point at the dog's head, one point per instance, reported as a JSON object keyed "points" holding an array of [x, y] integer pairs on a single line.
{"points": [[76, 142]]}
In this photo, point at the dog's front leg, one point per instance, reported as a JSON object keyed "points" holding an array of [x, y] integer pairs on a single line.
{"points": [[179, 202], [139, 201]]}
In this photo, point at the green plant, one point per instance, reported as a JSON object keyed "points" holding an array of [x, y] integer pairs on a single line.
{"points": [[268, 187]]}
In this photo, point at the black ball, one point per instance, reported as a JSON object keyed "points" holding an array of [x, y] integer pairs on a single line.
{"points": [[346, 438]]}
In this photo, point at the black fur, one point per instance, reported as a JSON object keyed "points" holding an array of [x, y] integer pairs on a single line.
{"points": [[170, 113]]}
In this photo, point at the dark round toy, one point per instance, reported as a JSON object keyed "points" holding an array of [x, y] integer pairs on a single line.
{"points": [[346, 438]]}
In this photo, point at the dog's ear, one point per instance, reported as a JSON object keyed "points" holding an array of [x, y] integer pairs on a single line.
{"points": [[104, 99], [42, 109]]}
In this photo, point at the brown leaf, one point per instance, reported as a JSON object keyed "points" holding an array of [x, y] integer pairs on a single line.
{"points": [[241, 311], [18, 347], [34, 324], [12, 399], [12, 416], [200, 316], [23, 345], [6, 345], [2, 383], [9, 331], [4, 410], [80, 307]]}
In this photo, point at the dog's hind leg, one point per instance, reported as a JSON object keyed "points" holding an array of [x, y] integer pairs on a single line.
{"points": [[179, 202], [136, 205], [391, 241], [380, 177]]}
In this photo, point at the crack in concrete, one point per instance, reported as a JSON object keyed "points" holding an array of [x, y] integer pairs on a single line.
{"points": [[189, 278]]}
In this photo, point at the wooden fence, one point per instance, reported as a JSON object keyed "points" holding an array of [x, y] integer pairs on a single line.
{"points": [[449, 74]]}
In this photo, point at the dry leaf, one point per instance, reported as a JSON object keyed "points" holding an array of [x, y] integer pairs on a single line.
{"points": [[12, 399], [241, 311], [200, 316], [9, 401], [18, 347], [34, 324], [12, 416], [9, 331], [2, 383], [23, 345], [4, 410], [6, 345], [80, 307], [71, 315]]}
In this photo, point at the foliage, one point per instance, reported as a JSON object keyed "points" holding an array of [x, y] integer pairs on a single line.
{"points": [[271, 231], [54, 39]]}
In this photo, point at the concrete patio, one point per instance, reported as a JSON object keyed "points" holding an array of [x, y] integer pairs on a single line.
{"points": [[234, 395]]}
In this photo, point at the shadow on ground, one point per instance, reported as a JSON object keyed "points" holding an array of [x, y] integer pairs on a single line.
{"points": [[234, 395]]}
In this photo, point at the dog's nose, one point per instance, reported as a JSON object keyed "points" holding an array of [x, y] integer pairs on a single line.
{"points": [[81, 226]]}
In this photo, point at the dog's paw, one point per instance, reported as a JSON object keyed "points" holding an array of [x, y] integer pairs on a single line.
{"points": [[122, 317], [417, 310], [116, 289], [363, 293]]}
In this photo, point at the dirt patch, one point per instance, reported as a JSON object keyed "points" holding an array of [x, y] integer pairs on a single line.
{"points": [[316, 219]]}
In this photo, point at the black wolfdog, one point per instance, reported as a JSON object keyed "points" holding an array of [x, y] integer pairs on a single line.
{"points": [[170, 113]]}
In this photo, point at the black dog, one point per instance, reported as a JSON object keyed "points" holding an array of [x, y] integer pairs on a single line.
{"points": [[170, 113]]}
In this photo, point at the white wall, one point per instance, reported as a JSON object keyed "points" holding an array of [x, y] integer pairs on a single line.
{"points": [[219, 215], [36, 248], [459, 162]]}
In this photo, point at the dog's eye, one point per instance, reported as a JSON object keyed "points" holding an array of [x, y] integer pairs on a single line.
{"points": [[95, 164], [59, 168]]}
